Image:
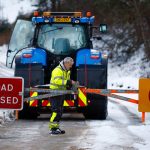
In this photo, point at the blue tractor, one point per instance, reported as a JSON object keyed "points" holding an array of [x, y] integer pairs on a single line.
{"points": [[37, 46]]}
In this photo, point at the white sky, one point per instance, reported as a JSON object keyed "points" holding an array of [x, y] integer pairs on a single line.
{"points": [[10, 8]]}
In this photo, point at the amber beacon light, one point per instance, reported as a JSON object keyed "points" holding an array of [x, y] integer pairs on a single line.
{"points": [[36, 13], [88, 14]]}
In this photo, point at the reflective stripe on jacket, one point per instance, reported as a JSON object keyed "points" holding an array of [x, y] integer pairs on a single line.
{"points": [[59, 78]]}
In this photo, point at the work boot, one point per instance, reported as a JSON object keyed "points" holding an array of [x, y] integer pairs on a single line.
{"points": [[56, 131]]}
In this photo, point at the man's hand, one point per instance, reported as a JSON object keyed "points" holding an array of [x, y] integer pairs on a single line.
{"points": [[73, 82], [75, 85]]}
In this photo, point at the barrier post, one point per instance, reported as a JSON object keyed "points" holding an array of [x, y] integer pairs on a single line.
{"points": [[143, 117], [17, 114]]}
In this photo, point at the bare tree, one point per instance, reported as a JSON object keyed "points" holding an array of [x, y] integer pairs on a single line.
{"points": [[142, 22]]}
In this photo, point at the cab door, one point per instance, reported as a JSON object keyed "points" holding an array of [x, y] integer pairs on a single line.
{"points": [[21, 38]]}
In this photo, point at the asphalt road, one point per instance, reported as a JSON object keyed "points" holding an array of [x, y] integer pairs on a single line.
{"points": [[33, 134], [81, 134]]}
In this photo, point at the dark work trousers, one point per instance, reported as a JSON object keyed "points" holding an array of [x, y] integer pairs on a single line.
{"points": [[57, 106]]}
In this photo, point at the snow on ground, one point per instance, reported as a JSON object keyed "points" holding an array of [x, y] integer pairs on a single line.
{"points": [[11, 8], [126, 76]]}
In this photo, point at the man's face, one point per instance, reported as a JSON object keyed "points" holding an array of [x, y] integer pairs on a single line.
{"points": [[68, 65]]}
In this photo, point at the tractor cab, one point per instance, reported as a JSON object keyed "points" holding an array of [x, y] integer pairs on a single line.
{"points": [[57, 33]]}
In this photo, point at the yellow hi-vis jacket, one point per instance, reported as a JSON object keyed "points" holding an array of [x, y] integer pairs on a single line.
{"points": [[59, 78]]}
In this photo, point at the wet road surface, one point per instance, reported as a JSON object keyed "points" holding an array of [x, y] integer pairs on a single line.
{"points": [[81, 134]]}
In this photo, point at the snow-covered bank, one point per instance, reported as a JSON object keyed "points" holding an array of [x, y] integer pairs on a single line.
{"points": [[5, 115], [126, 76], [9, 10]]}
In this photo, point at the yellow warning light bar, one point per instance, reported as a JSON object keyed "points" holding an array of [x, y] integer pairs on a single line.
{"points": [[62, 14], [77, 14], [46, 14]]}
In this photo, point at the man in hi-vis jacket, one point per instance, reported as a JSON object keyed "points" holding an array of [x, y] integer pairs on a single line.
{"points": [[60, 80]]}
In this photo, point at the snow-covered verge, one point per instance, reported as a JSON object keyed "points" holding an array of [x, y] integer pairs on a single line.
{"points": [[5, 115], [9, 10], [127, 75]]}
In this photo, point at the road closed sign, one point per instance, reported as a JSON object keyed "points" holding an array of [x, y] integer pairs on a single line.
{"points": [[11, 93], [144, 95]]}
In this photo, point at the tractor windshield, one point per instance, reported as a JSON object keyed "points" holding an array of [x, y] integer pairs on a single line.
{"points": [[62, 38]]}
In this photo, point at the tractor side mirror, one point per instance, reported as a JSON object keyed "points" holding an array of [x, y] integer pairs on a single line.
{"points": [[103, 28]]}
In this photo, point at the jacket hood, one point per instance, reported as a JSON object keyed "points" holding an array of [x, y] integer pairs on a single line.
{"points": [[62, 65]]}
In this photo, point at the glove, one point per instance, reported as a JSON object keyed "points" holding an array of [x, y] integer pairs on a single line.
{"points": [[69, 84], [75, 86]]}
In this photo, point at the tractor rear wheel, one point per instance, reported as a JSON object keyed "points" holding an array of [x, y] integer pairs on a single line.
{"points": [[97, 109], [28, 112]]}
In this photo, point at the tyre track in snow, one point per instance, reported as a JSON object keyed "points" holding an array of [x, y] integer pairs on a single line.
{"points": [[112, 133], [127, 136], [133, 119]]}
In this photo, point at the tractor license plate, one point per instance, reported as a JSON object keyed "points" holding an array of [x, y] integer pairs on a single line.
{"points": [[62, 19]]}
